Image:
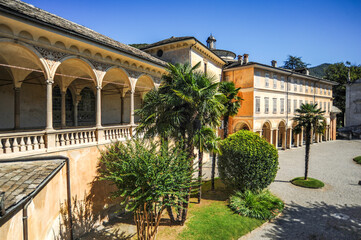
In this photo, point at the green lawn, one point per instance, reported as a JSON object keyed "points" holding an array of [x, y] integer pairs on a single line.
{"points": [[357, 159], [217, 221], [309, 183]]}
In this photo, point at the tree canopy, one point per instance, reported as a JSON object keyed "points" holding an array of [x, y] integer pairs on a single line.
{"points": [[294, 62]]}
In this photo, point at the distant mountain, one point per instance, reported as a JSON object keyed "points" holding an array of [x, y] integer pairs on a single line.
{"points": [[319, 71], [139, 45]]}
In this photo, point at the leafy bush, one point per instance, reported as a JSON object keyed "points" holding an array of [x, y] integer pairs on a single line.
{"points": [[248, 162], [150, 178], [261, 205], [357, 159]]}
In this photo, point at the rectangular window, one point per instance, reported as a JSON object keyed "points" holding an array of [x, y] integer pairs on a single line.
{"points": [[306, 89], [275, 78], [282, 82], [258, 104], [282, 105], [294, 105], [266, 105], [328, 107], [316, 88], [289, 105], [311, 87], [301, 102], [275, 105], [295, 85], [324, 106], [266, 80], [306, 102]]}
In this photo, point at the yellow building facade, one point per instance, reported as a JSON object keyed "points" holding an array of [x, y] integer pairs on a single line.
{"points": [[270, 97]]}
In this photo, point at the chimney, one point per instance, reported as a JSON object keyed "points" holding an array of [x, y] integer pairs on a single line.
{"points": [[240, 59], [307, 72], [274, 63], [245, 58]]}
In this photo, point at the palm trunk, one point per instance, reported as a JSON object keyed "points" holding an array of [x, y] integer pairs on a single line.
{"points": [[225, 126], [200, 163], [213, 170], [307, 154]]}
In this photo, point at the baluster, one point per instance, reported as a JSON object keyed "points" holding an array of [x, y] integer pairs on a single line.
{"points": [[1, 146], [36, 143], [106, 136], [76, 138], [66, 139], [72, 141], [7, 146], [29, 145], [57, 140], [81, 139], [22, 145], [42, 144], [61, 139], [86, 139], [93, 137], [15, 145]]}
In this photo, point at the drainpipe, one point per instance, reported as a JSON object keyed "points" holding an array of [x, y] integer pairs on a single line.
{"points": [[287, 93], [25, 220]]}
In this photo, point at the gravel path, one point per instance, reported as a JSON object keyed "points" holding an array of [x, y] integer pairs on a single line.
{"points": [[333, 212]]}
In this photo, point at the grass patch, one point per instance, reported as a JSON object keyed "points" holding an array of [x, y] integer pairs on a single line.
{"points": [[357, 159], [309, 183], [217, 221], [261, 205], [212, 219]]}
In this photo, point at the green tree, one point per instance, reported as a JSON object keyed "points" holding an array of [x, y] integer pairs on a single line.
{"points": [[294, 62], [339, 72], [185, 101], [204, 139], [145, 175], [308, 118], [231, 105]]}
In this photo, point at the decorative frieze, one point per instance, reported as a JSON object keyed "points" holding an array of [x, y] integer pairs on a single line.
{"points": [[50, 56]]}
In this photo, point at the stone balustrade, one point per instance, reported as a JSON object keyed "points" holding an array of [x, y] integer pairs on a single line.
{"points": [[16, 142], [13, 144]]}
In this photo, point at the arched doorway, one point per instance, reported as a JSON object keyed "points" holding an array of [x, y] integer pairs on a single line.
{"points": [[282, 135], [241, 126], [266, 131]]}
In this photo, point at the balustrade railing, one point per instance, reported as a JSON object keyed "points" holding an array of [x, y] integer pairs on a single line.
{"points": [[22, 142], [27, 141]]}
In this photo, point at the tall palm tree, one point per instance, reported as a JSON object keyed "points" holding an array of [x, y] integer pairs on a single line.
{"points": [[232, 103], [185, 101], [308, 118], [203, 139]]}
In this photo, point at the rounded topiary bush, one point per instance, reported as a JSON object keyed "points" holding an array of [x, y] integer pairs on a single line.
{"points": [[247, 162]]}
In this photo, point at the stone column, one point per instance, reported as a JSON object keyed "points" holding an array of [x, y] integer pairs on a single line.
{"points": [[76, 104], [295, 141], [132, 107], [271, 136], [329, 134], [16, 108], [284, 140], [63, 110], [289, 138], [121, 108], [49, 104], [275, 138], [98, 119], [301, 138]]}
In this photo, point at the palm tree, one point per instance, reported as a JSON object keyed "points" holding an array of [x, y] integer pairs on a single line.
{"points": [[185, 101], [309, 117], [232, 103], [203, 139]]}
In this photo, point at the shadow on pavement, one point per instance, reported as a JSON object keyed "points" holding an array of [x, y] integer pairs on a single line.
{"points": [[317, 221]]}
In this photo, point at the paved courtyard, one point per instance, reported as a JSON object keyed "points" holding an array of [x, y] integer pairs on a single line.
{"points": [[333, 212]]}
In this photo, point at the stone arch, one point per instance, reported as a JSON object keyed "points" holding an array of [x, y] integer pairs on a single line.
{"points": [[115, 71], [142, 85], [241, 126], [282, 134], [87, 66], [266, 131]]}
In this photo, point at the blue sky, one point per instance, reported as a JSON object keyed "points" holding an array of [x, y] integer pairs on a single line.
{"points": [[317, 31]]}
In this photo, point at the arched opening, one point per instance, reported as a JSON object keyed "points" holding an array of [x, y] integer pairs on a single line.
{"points": [[77, 83], [241, 126], [22, 88], [115, 100], [144, 84], [282, 135], [266, 131], [86, 108]]}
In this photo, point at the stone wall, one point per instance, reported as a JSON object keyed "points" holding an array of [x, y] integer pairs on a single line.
{"points": [[353, 104]]}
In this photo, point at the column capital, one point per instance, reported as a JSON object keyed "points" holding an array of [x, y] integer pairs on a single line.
{"points": [[17, 89], [49, 81], [98, 87]]}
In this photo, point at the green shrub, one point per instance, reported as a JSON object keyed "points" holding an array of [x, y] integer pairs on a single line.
{"points": [[357, 159], [256, 205], [248, 162]]}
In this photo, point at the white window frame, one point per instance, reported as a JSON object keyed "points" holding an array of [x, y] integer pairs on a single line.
{"points": [[282, 103], [275, 78], [258, 104], [266, 105], [274, 105], [266, 80]]}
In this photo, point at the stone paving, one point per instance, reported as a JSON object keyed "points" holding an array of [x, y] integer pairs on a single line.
{"points": [[333, 212], [19, 179]]}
